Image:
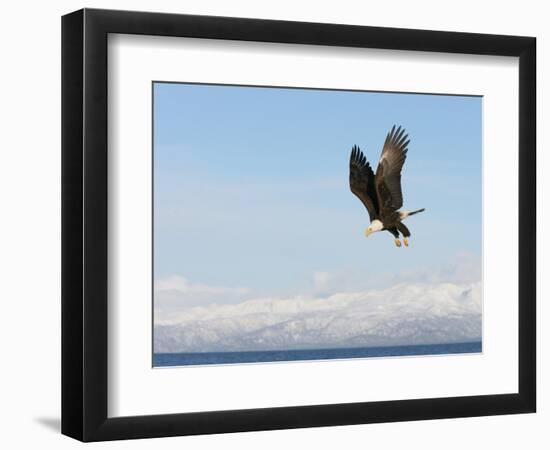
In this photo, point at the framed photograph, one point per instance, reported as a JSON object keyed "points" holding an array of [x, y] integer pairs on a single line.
{"points": [[272, 224]]}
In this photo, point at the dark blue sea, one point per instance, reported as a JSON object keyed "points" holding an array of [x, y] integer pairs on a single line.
{"points": [[187, 359]]}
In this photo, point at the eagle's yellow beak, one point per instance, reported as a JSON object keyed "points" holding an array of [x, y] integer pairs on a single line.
{"points": [[368, 232]]}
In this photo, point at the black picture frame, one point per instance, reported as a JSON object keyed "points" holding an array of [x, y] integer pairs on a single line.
{"points": [[84, 224]]}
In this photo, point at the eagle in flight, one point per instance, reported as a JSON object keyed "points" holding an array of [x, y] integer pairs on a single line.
{"points": [[381, 193]]}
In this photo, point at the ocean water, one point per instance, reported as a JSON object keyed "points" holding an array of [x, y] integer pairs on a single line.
{"points": [[202, 358]]}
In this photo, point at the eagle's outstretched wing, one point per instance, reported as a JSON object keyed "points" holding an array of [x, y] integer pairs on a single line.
{"points": [[388, 172], [361, 181]]}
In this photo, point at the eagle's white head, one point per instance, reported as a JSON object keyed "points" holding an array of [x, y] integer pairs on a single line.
{"points": [[374, 226]]}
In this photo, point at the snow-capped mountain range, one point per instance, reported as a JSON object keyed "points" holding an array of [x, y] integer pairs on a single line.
{"points": [[421, 313]]}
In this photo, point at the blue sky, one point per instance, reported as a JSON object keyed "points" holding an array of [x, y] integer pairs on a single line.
{"points": [[251, 184]]}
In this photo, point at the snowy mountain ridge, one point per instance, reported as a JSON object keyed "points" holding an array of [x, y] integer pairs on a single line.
{"points": [[403, 314]]}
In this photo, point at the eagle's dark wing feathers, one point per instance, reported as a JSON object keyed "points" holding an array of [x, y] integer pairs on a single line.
{"points": [[388, 173], [361, 181]]}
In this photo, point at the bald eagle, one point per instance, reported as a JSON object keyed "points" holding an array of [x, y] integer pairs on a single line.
{"points": [[381, 193]]}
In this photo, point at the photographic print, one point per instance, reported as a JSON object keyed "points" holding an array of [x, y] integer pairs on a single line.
{"points": [[295, 224]]}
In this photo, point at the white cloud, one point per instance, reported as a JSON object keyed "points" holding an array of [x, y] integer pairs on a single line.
{"points": [[176, 293], [322, 280], [181, 284], [463, 268]]}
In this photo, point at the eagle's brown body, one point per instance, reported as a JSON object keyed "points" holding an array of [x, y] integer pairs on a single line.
{"points": [[381, 193]]}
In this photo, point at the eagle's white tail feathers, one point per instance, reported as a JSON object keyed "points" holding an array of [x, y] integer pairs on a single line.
{"points": [[405, 214]]}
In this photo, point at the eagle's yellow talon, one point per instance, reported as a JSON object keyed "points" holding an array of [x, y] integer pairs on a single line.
{"points": [[406, 242], [397, 243]]}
